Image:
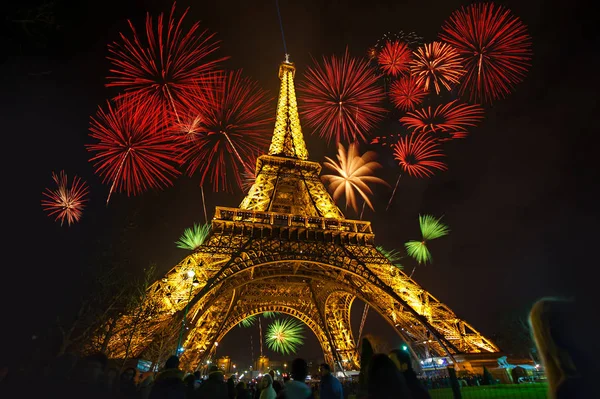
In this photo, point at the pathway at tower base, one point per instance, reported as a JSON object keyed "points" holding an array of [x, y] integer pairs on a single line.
{"points": [[288, 248]]}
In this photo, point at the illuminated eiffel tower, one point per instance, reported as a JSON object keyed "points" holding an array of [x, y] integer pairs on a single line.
{"points": [[288, 248]]}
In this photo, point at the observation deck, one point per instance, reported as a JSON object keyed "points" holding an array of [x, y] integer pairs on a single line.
{"points": [[292, 227]]}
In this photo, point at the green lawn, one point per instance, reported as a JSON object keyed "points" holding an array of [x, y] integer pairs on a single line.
{"points": [[524, 391]]}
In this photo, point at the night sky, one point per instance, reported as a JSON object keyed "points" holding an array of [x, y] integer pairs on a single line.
{"points": [[518, 196]]}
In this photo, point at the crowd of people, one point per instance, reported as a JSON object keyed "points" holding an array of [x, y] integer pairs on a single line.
{"points": [[92, 377], [555, 326]]}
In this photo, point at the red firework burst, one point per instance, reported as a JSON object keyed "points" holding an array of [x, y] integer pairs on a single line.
{"points": [[394, 59], [65, 202], [406, 93], [435, 65], [452, 119], [233, 121], [341, 99], [165, 65], [495, 47], [133, 151], [419, 155]]}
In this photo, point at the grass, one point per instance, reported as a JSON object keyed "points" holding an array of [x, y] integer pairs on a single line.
{"points": [[524, 391]]}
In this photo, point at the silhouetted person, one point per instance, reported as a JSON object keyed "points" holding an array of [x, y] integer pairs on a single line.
{"points": [[190, 386], [297, 388], [403, 361], [168, 384], [127, 388], [256, 388], [384, 380], [330, 387], [88, 377], [214, 387], [277, 386], [59, 375], [145, 386], [241, 392], [231, 387], [559, 330]]}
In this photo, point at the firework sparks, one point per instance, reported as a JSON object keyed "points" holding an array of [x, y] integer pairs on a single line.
{"points": [[418, 155], [65, 202], [249, 175], [194, 237], [341, 99], [248, 321], [435, 65], [495, 47], [394, 59], [431, 228], [285, 336], [233, 121], [354, 171], [452, 119], [406, 93], [393, 255], [166, 64], [410, 38], [133, 152], [387, 140]]}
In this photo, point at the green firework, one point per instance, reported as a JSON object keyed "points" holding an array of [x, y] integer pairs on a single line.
{"points": [[393, 255], [248, 321], [285, 336], [431, 228], [193, 237], [418, 250]]}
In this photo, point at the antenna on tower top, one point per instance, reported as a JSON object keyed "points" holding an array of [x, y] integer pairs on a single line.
{"points": [[287, 55]]}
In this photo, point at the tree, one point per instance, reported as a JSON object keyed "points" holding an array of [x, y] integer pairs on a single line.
{"points": [[161, 347], [91, 324], [516, 338]]}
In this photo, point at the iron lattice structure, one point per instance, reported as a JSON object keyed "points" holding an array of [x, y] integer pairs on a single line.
{"points": [[288, 248]]}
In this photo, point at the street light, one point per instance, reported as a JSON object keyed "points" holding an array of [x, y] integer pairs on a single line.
{"points": [[190, 273]]}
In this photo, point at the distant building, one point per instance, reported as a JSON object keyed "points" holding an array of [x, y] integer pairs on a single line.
{"points": [[225, 364], [261, 365]]}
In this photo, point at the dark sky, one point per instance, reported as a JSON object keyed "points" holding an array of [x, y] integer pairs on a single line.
{"points": [[519, 194]]}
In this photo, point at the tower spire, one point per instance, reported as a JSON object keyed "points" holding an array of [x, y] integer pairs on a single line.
{"points": [[287, 137]]}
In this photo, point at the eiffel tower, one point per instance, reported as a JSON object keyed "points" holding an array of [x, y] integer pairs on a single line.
{"points": [[288, 248]]}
